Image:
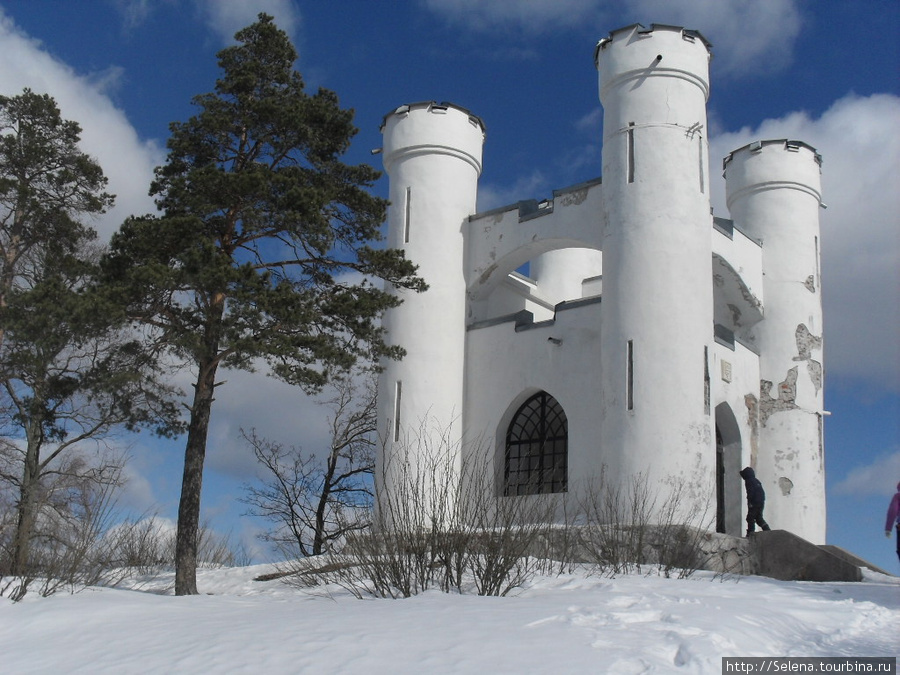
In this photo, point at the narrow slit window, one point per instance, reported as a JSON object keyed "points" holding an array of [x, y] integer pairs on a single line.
{"points": [[398, 391], [629, 151], [818, 272], [406, 217], [629, 375], [706, 382], [702, 178]]}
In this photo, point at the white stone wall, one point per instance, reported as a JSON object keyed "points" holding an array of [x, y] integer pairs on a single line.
{"points": [[505, 367]]}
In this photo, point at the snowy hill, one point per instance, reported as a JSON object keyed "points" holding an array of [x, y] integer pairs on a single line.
{"points": [[573, 623]]}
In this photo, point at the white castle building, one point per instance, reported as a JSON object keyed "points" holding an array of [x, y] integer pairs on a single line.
{"points": [[649, 336]]}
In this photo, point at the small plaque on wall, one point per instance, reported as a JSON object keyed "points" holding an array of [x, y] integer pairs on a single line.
{"points": [[726, 371]]}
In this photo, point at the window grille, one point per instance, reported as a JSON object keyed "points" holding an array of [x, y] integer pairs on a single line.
{"points": [[537, 440]]}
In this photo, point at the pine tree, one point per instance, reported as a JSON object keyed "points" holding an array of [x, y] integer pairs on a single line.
{"points": [[47, 186], [262, 250], [74, 372], [71, 370]]}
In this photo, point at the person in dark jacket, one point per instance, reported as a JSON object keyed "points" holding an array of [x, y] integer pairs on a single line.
{"points": [[756, 500]]}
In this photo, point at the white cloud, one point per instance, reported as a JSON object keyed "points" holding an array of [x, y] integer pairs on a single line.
{"points": [[280, 412], [878, 478], [533, 186], [135, 12], [226, 17], [136, 494], [748, 36], [741, 31], [107, 135], [857, 137]]}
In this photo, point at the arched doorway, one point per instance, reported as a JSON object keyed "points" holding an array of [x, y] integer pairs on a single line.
{"points": [[728, 466]]}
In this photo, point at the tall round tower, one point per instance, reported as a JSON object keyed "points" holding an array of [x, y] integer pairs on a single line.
{"points": [[773, 191], [657, 321], [432, 154]]}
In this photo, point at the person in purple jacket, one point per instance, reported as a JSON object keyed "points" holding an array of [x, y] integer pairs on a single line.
{"points": [[893, 518]]}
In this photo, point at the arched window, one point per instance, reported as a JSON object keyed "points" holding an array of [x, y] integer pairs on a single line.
{"points": [[537, 443]]}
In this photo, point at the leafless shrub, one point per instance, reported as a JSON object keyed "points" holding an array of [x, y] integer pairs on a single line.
{"points": [[640, 527], [146, 545], [80, 539], [441, 525], [67, 548], [143, 546]]}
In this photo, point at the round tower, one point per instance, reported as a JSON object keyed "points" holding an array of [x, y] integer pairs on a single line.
{"points": [[432, 154], [773, 191], [657, 320], [560, 274]]}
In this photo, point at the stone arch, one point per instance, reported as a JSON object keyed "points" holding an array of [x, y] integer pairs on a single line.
{"points": [[728, 464], [491, 276]]}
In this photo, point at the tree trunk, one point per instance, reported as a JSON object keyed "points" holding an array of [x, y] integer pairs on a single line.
{"points": [[324, 498], [194, 455], [25, 509]]}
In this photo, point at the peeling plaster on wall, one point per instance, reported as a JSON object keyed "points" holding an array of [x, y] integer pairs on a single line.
{"points": [[815, 373], [573, 198], [753, 419], [735, 315], [787, 394], [484, 276], [751, 299], [719, 279], [783, 459], [786, 485], [810, 283], [689, 482], [806, 342]]}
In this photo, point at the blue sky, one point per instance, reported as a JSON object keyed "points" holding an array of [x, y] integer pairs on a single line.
{"points": [[823, 71]]}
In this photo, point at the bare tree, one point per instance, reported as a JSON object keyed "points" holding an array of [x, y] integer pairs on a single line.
{"points": [[314, 502]]}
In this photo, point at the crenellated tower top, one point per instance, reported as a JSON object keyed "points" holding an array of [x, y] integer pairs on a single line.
{"points": [[658, 51], [432, 128], [772, 164]]}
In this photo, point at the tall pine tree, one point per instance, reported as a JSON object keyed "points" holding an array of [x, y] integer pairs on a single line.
{"points": [[47, 187], [71, 369], [263, 249]]}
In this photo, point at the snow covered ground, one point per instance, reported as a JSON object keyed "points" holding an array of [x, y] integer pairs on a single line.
{"points": [[568, 624]]}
